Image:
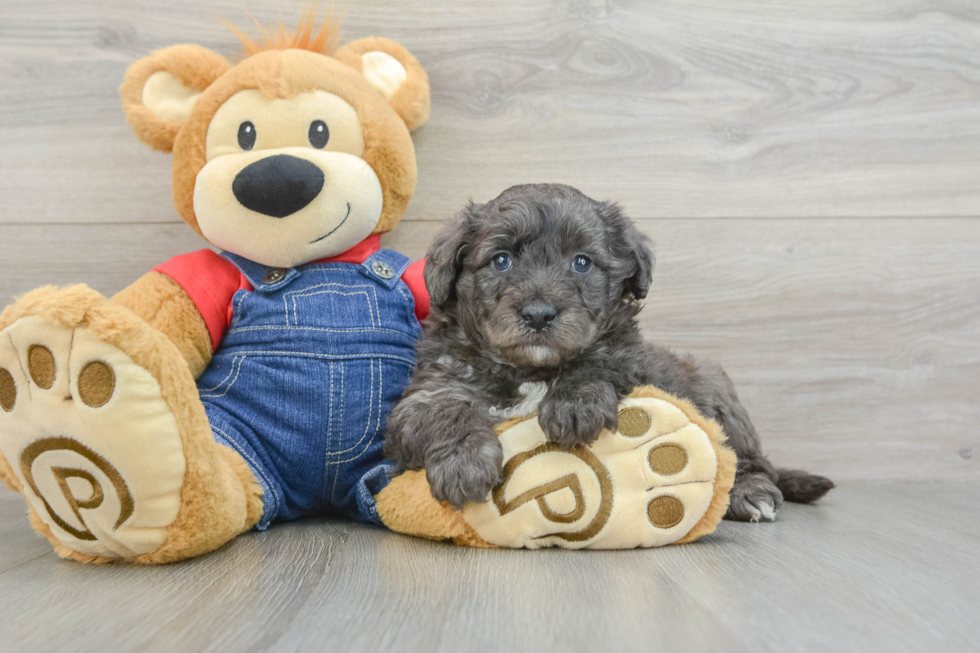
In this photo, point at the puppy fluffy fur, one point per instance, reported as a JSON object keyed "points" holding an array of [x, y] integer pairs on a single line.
{"points": [[534, 303]]}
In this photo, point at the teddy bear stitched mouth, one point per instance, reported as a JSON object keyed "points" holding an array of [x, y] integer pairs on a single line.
{"points": [[334, 229]]}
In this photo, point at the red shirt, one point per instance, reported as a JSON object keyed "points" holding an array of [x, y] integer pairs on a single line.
{"points": [[212, 281]]}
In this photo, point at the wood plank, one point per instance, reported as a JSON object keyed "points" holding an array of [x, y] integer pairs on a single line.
{"points": [[762, 108], [19, 544], [874, 567], [855, 344]]}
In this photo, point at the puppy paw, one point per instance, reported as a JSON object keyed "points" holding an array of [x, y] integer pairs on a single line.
{"points": [[571, 417], [754, 498], [466, 472]]}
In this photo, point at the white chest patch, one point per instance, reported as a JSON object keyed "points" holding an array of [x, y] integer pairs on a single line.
{"points": [[533, 393]]}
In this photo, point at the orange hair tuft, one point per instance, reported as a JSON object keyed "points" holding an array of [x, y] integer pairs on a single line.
{"points": [[277, 37]]}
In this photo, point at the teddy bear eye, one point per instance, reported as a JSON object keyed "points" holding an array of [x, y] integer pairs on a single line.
{"points": [[319, 134], [246, 135]]}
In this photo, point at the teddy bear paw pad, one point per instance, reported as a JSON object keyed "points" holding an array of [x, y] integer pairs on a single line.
{"points": [[646, 484], [89, 437]]}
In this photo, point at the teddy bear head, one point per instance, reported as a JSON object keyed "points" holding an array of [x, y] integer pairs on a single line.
{"points": [[296, 153]]}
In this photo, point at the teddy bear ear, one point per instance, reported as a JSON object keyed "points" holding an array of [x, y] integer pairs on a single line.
{"points": [[394, 72], [160, 91]]}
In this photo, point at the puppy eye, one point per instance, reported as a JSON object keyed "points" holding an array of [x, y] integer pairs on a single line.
{"points": [[319, 134], [246, 135], [581, 264], [502, 262]]}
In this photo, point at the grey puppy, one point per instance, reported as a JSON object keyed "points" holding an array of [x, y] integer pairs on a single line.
{"points": [[534, 303]]}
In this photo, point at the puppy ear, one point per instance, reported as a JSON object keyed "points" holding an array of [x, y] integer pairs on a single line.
{"points": [[393, 72], [630, 246], [444, 260], [160, 91], [639, 283]]}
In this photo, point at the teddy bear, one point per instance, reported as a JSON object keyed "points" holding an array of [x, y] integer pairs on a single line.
{"points": [[222, 392]]}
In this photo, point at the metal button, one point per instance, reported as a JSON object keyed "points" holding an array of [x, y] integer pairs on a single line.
{"points": [[382, 269], [274, 275]]}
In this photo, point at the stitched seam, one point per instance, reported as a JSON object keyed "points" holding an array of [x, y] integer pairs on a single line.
{"points": [[305, 293], [396, 259], [71, 349], [328, 464], [241, 359], [234, 364], [367, 428], [407, 263], [255, 466], [23, 371], [326, 285], [410, 298], [669, 485], [323, 267], [330, 432], [237, 317], [327, 356], [343, 393], [253, 272], [326, 329], [295, 296], [367, 425], [662, 435], [403, 291]]}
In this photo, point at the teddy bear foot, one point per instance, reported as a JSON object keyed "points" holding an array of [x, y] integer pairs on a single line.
{"points": [[90, 437], [662, 477]]}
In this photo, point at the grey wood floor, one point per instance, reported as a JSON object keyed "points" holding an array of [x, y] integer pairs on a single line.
{"points": [[876, 567], [810, 173]]}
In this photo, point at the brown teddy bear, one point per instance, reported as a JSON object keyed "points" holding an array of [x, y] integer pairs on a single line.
{"points": [[220, 393]]}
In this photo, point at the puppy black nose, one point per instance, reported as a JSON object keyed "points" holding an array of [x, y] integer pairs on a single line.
{"points": [[278, 185], [538, 317]]}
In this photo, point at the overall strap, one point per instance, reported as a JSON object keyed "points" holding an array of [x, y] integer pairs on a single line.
{"points": [[262, 277], [385, 267]]}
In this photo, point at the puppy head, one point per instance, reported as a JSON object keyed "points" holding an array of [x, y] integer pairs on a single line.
{"points": [[539, 273]]}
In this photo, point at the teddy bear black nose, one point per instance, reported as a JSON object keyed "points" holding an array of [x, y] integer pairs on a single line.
{"points": [[278, 185]]}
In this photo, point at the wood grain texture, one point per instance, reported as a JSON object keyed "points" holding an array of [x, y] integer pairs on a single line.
{"points": [[888, 567], [761, 108]]}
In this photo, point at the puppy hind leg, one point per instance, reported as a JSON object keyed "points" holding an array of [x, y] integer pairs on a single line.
{"points": [[755, 495], [760, 488]]}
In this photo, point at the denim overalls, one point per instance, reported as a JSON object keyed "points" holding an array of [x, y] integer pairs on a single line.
{"points": [[305, 377]]}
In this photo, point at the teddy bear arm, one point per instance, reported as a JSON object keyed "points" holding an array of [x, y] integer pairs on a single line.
{"points": [[163, 304]]}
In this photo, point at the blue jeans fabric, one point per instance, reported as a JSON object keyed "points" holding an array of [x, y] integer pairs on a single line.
{"points": [[304, 380]]}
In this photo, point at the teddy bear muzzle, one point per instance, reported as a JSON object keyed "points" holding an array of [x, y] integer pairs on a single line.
{"points": [[278, 185]]}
